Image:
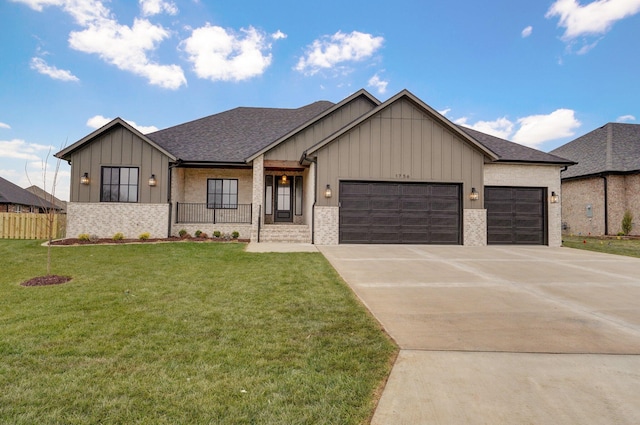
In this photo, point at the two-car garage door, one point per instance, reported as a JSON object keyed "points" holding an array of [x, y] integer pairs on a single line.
{"points": [[400, 213]]}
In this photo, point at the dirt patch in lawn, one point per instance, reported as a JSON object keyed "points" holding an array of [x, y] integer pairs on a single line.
{"points": [[46, 280]]}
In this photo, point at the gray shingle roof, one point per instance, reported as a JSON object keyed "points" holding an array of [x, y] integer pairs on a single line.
{"points": [[234, 135], [14, 194], [514, 152], [614, 147]]}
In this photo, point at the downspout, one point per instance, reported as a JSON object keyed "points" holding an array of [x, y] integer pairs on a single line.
{"points": [[315, 193], [606, 206]]}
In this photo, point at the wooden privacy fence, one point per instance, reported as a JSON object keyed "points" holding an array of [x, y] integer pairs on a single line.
{"points": [[31, 226]]}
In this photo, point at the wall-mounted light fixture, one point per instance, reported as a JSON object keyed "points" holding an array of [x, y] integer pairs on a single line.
{"points": [[152, 180], [328, 192], [84, 179], [554, 198], [283, 179], [474, 195]]}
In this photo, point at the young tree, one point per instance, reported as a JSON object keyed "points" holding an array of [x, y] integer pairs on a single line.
{"points": [[627, 222]]}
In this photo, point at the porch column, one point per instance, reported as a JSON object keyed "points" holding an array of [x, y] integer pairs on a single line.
{"points": [[258, 189]]}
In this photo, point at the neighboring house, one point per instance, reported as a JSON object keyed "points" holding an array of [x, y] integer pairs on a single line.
{"points": [[605, 182], [61, 206], [359, 171], [14, 199]]}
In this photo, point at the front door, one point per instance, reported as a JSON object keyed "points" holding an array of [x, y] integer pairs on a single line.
{"points": [[284, 204]]}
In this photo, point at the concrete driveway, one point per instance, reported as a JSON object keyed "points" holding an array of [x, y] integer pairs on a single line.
{"points": [[502, 335]]}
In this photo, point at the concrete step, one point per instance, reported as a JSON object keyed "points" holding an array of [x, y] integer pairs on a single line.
{"points": [[288, 233]]}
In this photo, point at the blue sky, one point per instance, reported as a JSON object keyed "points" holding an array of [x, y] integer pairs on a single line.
{"points": [[538, 73]]}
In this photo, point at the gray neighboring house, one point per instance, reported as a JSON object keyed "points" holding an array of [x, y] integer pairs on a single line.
{"points": [[14, 199], [358, 171], [61, 205], [604, 183]]}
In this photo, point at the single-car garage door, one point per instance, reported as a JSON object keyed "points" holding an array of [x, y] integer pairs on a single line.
{"points": [[516, 215], [400, 213]]}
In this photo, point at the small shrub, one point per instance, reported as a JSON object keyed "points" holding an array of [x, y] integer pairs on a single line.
{"points": [[183, 233], [217, 234], [84, 237], [235, 234], [144, 236], [620, 234], [118, 236], [204, 235], [627, 222], [198, 233], [93, 238]]}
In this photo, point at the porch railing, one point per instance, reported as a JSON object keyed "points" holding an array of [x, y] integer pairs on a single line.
{"points": [[201, 213]]}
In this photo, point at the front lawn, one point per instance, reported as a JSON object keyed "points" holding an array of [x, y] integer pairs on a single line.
{"points": [[184, 333], [610, 245]]}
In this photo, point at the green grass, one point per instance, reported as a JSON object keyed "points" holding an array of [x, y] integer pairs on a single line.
{"points": [[612, 245], [184, 333]]}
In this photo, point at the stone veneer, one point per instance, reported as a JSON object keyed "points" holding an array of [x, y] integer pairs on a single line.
{"points": [[105, 219], [475, 227], [258, 194], [326, 225], [531, 176]]}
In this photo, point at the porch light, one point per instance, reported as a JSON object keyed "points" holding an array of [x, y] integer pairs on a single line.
{"points": [[84, 179], [474, 195], [283, 180], [152, 180], [554, 198], [328, 192]]}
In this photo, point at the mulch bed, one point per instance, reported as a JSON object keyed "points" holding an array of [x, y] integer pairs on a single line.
{"points": [[109, 241], [46, 280]]}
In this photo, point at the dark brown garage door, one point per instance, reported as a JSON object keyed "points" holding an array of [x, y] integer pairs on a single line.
{"points": [[399, 213], [515, 215]]}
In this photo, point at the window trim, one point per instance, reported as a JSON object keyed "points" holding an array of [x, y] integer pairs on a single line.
{"points": [[119, 168], [221, 206]]}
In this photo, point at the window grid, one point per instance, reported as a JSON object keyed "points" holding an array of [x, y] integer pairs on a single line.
{"points": [[119, 184], [222, 193]]}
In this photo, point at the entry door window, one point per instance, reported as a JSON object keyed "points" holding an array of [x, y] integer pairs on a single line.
{"points": [[283, 199]]}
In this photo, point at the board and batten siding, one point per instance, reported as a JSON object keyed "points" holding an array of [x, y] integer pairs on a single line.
{"points": [[119, 147], [292, 148], [400, 143]]}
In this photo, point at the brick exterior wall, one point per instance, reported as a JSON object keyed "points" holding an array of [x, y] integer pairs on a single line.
{"points": [[622, 193], [531, 176], [105, 219], [475, 227], [326, 225]]}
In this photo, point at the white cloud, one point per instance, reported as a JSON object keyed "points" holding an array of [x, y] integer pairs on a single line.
{"points": [[278, 35], [328, 51], [40, 65], [500, 127], [626, 118], [125, 47], [595, 18], [221, 55], [98, 121], [537, 129], [527, 31], [379, 84], [155, 7], [3, 125], [532, 130], [444, 112], [20, 149]]}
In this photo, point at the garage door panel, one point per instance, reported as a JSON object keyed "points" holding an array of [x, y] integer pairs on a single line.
{"points": [[516, 215], [399, 213]]}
